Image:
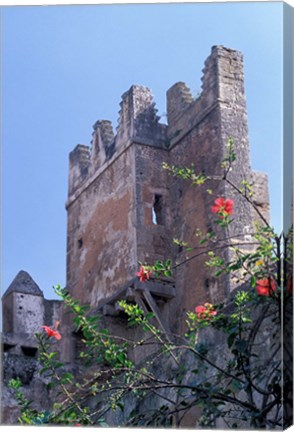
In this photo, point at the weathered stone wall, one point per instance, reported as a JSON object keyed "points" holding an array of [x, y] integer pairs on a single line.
{"points": [[28, 313], [153, 205], [102, 205], [198, 132], [101, 233], [33, 386], [191, 210], [7, 315]]}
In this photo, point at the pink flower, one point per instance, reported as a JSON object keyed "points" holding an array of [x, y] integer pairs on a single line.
{"points": [[266, 286], [205, 311], [143, 274], [52, 332], [223, 207], [200, 310]]}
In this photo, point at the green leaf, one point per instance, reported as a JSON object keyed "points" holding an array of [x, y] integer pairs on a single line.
{"points": [[52, 355], [15, 383], [253, 281], [168, 263], [121, 357], [67, 378], [159, 265], [120, 406], [149, 315]]}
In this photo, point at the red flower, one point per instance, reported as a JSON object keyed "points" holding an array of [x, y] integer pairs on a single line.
{"points": [[143, 274], [78, 424], [205, 311], [223, 207], [200, 310], [266, 286], [52, 332]]}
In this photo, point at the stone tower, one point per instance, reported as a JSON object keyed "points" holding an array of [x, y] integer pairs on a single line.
{"points": [[23, 314], [24, 311], [123, 208]]}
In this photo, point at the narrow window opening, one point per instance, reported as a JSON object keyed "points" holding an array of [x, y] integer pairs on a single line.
{"points": [[80, 243], [7, 347], [206, 284], [29, 351], [157, 210]]}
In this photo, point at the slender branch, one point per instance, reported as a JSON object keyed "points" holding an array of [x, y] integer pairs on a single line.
{"points": [[215, 248], [198, 354], [249, 201]]}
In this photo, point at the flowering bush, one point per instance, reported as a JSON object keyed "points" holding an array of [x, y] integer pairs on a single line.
{"points": [[243, 386]]}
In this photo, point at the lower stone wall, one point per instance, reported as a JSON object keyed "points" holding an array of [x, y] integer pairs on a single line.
{"points": [[34, 386]]}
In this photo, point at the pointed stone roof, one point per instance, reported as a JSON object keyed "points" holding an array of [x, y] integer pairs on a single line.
{"points": [[23, 283]]}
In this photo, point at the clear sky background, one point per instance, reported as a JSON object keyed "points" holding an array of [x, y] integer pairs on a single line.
{"points": [[64, 67]]}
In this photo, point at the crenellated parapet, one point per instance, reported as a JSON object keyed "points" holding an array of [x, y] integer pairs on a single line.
{"points": [[138, 122], [222, 82]]}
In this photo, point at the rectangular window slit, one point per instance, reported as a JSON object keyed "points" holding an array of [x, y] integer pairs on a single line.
{"points": [[157, 210]]}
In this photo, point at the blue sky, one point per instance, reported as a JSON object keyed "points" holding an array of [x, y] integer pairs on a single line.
{"points": [[64, 67]]}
